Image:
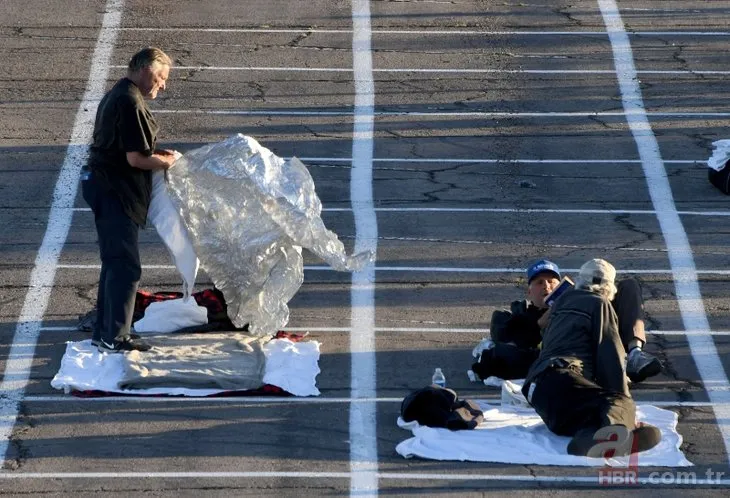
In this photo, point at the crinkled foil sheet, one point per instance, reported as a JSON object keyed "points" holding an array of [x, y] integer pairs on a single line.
{"points": [[248, 213]]}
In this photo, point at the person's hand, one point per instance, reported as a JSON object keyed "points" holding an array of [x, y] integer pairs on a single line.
{"points": [[165, 152], [168, 160]]}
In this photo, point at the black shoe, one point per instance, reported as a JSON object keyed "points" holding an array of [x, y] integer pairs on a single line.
{"points": [[97, 342], [128, 344], [582, 442], [644, 437], [640, 365]]}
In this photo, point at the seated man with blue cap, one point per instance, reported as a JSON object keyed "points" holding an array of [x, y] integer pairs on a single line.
{"points": [[516, 333]]}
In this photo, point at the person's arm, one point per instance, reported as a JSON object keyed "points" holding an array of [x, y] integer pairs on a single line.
{"points": [[610, 356], [154, 162]]}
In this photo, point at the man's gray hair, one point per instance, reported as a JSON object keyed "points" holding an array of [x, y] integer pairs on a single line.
{"points": [[148, 57], [605, 289]]}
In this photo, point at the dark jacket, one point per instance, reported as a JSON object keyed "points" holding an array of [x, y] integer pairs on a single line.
{"points": [[517, 326], [583, 330]]}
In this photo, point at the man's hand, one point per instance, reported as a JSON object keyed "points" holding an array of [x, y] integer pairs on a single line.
{"points": [[167, 160]]}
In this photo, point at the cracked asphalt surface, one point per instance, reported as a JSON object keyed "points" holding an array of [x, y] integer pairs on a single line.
{"points": [[585, 161]]}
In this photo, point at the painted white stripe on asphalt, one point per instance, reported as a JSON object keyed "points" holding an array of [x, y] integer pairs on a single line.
{"points": [[445, 114], [509, 210], [20, 357], [273, 400], [466, 32], [650, 480], [440, 70], [433, 269], [432, 330], [363, 375], [496, 161], [681, 259]]}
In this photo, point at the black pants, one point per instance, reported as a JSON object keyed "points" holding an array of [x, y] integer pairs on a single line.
{"points": [[506, 361], [568, 402], [120, 265], [629, 307]]}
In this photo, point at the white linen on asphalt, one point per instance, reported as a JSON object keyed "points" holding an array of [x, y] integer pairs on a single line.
{"points": [[511, 434], [292, 366]]}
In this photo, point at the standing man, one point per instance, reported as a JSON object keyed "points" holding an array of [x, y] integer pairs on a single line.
{"points": [[117, 186]]}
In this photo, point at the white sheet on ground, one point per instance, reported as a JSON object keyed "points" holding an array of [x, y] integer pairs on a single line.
{"points": [[171, 315], [293, 366], [510, 434]]}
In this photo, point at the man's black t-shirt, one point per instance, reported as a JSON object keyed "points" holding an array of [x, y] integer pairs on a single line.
{"points": [[124, 124]]}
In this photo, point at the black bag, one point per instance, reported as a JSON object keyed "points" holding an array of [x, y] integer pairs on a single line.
{"points": [[435, 406], [720, 179]]}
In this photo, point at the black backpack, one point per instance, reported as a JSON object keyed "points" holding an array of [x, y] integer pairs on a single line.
{"points": [[435, 406], [720, 179]]}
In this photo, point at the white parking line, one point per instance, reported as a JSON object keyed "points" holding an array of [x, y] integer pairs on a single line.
{"points": [[443, 70], [464, 32], [681, 258], [434, 330], [20, 358], [650, 212], [651, 479], [279, 400], [496, 161], [445, 114], [363, 374], [434, 269]]}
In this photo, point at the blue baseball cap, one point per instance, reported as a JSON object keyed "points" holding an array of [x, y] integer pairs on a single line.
{"points": [[542, 266]]}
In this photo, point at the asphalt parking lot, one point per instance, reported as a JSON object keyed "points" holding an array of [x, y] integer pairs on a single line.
{"points": [[460, 139]]}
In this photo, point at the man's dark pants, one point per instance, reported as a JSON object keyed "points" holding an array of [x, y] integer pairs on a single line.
{"points": [[629, 307], [120, 264], [568, 402]]}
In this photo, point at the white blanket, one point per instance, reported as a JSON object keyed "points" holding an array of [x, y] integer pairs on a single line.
{"points": [[292, 366], [510, 434]]}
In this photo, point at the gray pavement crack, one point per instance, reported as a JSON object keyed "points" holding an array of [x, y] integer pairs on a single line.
{"points": [[19, 453], [295, 42], [671, 371], [624, 219], [563, 11]]}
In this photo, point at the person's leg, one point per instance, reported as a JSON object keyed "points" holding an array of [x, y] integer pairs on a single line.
{"points": [[568, 402], [99, 325], [629, 307], [505, 361], [89, 191], [118, 242]]}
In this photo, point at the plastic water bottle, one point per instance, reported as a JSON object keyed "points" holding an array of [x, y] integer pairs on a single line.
{"points": [[438, 378]]}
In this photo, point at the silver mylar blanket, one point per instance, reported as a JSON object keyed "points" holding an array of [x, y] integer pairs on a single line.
{"points": [[248, 213]]}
